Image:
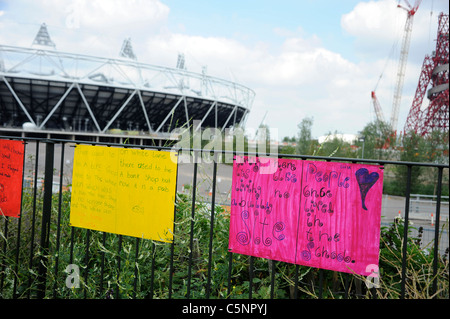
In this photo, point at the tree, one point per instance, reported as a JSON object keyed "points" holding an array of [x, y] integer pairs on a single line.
{"points": [[304, 146], [379, 140], [335, 146], [432, 148], [413, 151], [436, 147]]}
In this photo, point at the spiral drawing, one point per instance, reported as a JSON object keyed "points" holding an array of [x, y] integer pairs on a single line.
{"points": [[306, 255], [267, 241], [242, 238], [278, 227]]}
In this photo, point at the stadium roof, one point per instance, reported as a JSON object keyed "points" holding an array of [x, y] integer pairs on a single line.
{"points": [[50, 88]]}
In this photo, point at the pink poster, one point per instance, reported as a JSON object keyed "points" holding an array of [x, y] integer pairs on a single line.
{"points": [[317, 214]]}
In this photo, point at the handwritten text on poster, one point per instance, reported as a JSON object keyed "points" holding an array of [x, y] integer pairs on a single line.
{"points": [[11, 176], [124, 191], [318, 214]]}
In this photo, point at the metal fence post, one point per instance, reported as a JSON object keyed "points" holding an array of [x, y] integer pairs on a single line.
{"points": [[46, 216], [405, 233], [436, 231], [191, 242]]}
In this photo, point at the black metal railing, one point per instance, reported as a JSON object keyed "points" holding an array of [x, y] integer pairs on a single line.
{"points": [[42, 256]]}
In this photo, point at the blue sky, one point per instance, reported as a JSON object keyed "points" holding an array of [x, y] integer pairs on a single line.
{"points": [[255, 21], [303, 58]]}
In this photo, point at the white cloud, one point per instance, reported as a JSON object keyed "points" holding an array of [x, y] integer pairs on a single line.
{"points": [[371, 19], [378, 25], [116, 14], [301, 78], [95, 27]]}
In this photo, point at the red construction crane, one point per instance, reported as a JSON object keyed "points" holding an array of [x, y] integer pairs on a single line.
{"points": [[424, 120], [377, 107], [411, 11]]}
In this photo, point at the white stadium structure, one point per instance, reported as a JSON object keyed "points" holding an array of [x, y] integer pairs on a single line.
{"points": [[45, 90]]}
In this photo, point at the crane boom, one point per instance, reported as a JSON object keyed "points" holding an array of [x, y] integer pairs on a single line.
{"points": [[402, 62], [377, 108]]}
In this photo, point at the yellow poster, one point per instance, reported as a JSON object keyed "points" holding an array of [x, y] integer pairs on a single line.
{"points": [[124, 191]]}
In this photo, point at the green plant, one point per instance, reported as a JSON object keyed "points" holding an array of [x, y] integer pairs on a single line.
{"points": [[419, 264]]}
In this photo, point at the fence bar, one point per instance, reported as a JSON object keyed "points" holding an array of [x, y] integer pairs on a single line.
{"points": [[16, 263], [244, 153], [211, 230], [72, 239], [405, 231], [436, 231], [373, 291], [33, 219], [171, 270], [136, 256], [152, 273], [102, 264], [172, 247], [19, 228], [297, 268], [5, 243], [191, 243], [86, 261], [250, 278], [346, 285], [118, 266], [272, 278], [230, 265], [58, 231], [46, 216], [320, 283]]}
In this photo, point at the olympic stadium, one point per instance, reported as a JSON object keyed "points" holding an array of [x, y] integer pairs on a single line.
{"points": [[46, 91]]}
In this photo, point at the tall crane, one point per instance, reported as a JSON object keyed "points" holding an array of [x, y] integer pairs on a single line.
{"points": [[411, 11]]}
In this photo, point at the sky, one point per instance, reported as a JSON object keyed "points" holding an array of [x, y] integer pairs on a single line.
{"points": [[302, 58]]}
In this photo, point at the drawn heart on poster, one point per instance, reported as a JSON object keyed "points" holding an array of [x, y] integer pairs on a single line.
{"points": [[365, 182]]}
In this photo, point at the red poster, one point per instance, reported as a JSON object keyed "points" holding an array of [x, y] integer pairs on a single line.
{"points": [[318, 214], [11, 176]]}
